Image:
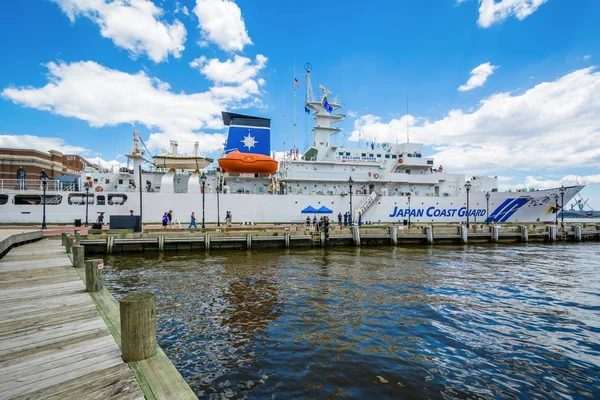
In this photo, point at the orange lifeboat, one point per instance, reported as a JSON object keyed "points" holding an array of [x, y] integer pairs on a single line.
{"points": [[248, 163]]}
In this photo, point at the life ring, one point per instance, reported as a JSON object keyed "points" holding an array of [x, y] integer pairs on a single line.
{"points": [[399, 161], [99, 188], [376, 175]]}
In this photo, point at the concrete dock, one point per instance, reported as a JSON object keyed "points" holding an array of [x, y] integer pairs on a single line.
{"points": [[59, 342]]}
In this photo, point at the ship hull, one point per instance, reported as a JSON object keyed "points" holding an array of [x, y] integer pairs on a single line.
{"points": [[256, 208]]}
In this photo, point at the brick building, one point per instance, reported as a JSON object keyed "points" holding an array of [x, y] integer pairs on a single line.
{"points": [[16, 162]]}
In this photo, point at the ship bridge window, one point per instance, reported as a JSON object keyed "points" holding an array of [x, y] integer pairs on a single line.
{"points": [[371, 155], [120, 181], [429, 162], [378, 155], [117, 199], [363, 155], [394, 156], [387, 156], [341, 153], [3, 199], [348, 153], [79, 199]]}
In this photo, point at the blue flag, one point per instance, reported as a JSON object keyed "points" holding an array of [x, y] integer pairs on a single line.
{"points": [[327, 107], [307, 110]]}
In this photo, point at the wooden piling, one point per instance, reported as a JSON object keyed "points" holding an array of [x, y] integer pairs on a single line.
{"points": [[249, 241], [78, 256], [64, 238], [69, 245], [462, 231], [598, 230], [429, 233], [160, 240], [138, 326], [110, 244], [552, 233], [356, 235], [207, 241], [577, 231], [93, 275], [287, 240], [524, 234], [394, 235], [495, 234], [77, 237]]}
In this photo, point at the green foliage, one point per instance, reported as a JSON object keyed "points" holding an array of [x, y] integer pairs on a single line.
{"points": [[275, 233]]}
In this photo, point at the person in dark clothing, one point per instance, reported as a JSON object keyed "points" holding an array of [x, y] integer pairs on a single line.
{"points": [[340, 219], [170, 217], [307, 221], [315, 220]]}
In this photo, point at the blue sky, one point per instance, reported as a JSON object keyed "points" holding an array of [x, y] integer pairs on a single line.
{"points": [[507, 88]]}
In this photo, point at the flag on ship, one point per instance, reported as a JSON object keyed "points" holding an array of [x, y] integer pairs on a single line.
{"points": [[327, 107], [307, 110], [296, 82]]}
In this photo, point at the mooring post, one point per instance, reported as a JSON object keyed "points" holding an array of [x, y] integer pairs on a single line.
{"points": [[577, 231], [69, 245], [64, 237], [429, 234], [138, 326], [287, 240], [77, 237], [356, 235], [207, 241], [248, 241], [495, 234], [160, 240], [394, 235], [598, 230], [552, 233], [110, 244], [524, 234], [322, 239], [78, 256], [93, 275], [462, 230]]}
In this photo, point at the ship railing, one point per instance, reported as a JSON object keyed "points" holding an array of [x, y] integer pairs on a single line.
{"points": [[25, 185]]}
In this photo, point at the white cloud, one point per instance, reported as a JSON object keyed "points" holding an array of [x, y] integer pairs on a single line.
{"points": [[478, 77], [179, 9], [492, 11], [584, 58], [131, 24], [221, 22], [567, 180], [238, 70], [107, 97], [548, 127], [40, 143], [110, 164]]}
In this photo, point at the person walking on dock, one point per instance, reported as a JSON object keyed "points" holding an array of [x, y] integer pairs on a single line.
{"points": [[170, 217], [340, 219], [165, 220], [193, 221], [228, 218]]}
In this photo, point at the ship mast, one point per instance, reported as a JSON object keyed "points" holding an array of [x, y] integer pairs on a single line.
{"points": [[294, 149]]}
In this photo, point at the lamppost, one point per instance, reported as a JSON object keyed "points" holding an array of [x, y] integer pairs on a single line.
{"points": [[86, 186], [468, 187], [218, 204], [203, 180], [487, 208], [562, 204], [350, 182], [556, 202], [408, 195], [44, 179]]}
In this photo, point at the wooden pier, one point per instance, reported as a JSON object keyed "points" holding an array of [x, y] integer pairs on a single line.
{"points": [[290, 237], [59, 342]]}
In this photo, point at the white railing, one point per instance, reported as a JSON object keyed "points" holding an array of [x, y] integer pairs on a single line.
{"points": [[366, 204]]}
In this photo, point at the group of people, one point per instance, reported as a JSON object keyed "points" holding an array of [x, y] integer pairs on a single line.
{"points": [[167, 219], [193, 219]]}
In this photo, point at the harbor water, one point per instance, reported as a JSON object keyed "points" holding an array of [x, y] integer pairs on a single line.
{"points": [[488, 321]]}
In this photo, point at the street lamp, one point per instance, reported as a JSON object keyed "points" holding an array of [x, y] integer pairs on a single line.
{"points": [[218, 204], [487, 208], [468, 187], [86, 186], [556, 212], [44, 179], [203, 180], [408, 195], [350, 182], [562, 204]]}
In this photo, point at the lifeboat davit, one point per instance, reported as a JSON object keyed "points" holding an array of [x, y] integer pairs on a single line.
{"points": [[248, 163]]}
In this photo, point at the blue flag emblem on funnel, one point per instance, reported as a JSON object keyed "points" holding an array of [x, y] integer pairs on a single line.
{"points": [[249, 140]]}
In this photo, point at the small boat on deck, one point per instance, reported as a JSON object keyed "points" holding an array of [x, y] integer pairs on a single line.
{"points": [[173, 160], [248, 163]]}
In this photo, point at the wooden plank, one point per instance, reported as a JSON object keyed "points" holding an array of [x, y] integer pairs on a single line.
{"points": [[27, 323], [23, 265], [7, 295], [112, 383], [34, 305], [63, 374]]}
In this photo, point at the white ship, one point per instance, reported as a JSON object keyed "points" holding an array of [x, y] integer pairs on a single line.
{"points": [[389, 183]]}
